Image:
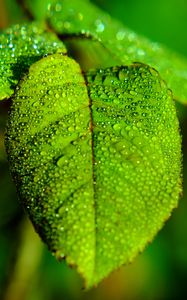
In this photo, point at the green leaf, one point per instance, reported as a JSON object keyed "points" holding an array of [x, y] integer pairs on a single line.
{"points": [[81, 18], [97, 174], [21, 46], [38, 8]]}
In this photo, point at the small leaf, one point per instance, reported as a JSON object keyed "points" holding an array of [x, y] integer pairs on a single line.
{"points": [[97, 176], [81, 18], [21, 46]]}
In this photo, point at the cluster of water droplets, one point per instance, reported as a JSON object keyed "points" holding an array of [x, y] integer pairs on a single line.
{"points": [[136, 160], [98, 176], [50, 154], [20, 47]]}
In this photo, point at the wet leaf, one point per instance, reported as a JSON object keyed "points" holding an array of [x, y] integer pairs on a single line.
{"points": [[98, 172], [82, 18], [20, 47]]}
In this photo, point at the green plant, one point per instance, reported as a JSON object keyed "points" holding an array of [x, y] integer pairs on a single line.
{"points": [[94, 147]]}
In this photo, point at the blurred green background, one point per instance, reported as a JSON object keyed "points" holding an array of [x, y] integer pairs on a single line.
{"points": [[27, 269]]}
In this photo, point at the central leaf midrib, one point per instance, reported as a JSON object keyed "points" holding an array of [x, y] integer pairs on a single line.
{"points": [[93, 179]]}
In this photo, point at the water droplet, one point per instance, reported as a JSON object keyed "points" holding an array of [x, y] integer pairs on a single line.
{"points": [[116, 127], [99, 26], [120, 35]]}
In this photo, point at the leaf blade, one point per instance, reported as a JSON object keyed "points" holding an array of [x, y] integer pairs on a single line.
{"points": [[20, 46], [97, 187], [55, 160], [137, 161]]}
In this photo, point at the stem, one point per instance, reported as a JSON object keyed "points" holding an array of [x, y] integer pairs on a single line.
{"points": [[3, 15], [25, 269]]}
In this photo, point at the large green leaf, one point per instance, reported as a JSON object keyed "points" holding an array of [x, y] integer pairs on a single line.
{"points": [[98, 172], [21, 46], [81, 18]]}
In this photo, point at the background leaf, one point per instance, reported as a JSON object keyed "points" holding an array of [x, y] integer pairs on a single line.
{"points": [[82, 18], [98, 177], [21, 46], [161, 21]]}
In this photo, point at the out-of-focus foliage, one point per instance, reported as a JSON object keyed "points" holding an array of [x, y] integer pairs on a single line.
{"points": [[161, 271], [81, 18]]}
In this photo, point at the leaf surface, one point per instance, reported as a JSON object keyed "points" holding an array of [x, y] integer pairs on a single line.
{"points": [[100, 171], [37, 8], [21, 46], [82, 18]]}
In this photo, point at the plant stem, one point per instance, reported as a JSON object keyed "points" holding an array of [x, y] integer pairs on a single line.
{"points": [[25, 269]]}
